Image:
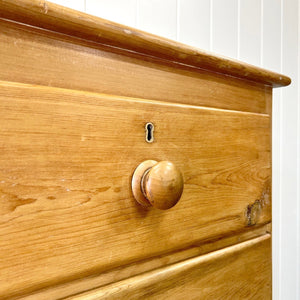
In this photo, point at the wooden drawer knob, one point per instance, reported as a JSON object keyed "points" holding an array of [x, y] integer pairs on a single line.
{"points": [[157, 184]]}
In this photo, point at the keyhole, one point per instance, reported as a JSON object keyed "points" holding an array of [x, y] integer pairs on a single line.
{"points": [[149, 132]]}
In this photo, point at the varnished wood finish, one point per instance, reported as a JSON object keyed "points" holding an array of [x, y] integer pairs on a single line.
{"points": [[34, 56], [66, 164], [160, 185], [242, 271], [53, 17], [96, 280], [136, 181], [76, 93], [163, 185]]}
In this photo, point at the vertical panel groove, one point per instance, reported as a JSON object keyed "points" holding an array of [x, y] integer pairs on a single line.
{"points": [[225, 27], [250, 31], [194, 22], [289, 150], [153, 18], [271, 32]]}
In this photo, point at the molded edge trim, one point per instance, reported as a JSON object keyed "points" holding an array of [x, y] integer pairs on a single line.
{"points": [[143, 281], [50, 16]]}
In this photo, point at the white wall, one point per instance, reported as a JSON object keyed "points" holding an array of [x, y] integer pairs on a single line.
{"points": [[261, 32]]}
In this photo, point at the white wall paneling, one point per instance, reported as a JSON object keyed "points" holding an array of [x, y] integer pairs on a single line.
{"points": [[271, 59], [261, 32], [120, 11], [74, 4], [271, 30], [224, 27], [289, 180], [194, 14], [250, 29], [276, 192], [298, 167], [158, 17]]}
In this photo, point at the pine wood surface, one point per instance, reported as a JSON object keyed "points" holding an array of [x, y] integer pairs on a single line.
{"points": [[75, 94], [56, 18], [40, 57], [67, 158], [161, 185], [97, 280], [242, 271]]}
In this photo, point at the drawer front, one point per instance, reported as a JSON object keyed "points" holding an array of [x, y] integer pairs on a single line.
{"points": [[67, 158], [76, 64], [241, 271]]}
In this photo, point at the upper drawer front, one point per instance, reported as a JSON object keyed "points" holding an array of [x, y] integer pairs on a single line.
{"points": [[67, 159], [35, 56]]}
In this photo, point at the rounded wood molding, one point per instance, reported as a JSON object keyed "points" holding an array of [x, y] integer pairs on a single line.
{"points": [[53, 17], [157, 184]]}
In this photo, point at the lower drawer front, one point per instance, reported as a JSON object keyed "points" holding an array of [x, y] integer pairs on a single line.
{"points": [[242, 271], [66, 163]]}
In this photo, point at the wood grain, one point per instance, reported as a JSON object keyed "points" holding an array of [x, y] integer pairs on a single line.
{"points": [[97, 280], [162, 185], [53, 17], [40, 57], [242, 271], [67, 158]]}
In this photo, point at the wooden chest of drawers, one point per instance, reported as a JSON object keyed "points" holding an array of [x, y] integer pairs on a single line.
{"points": [[76, 94]]}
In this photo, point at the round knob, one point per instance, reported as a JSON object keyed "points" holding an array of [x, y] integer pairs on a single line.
{"points": [[157, 184]]}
